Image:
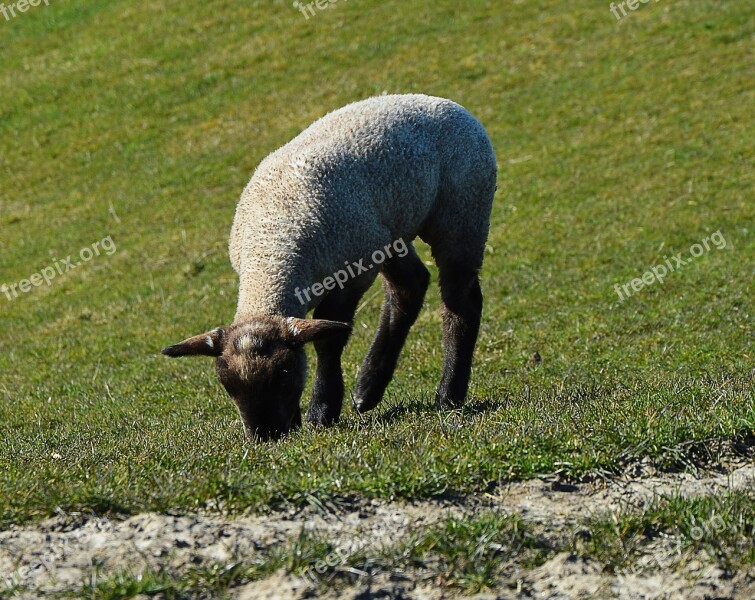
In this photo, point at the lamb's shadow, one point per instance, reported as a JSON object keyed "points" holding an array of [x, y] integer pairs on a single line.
{"points": [[393, 409]]}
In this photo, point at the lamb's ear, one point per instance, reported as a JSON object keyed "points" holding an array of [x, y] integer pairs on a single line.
{"points": [[308, 330], [205, 344]]}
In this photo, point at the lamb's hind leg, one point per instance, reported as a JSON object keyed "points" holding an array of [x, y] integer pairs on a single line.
{"points": [[405, 281], [328, 388], [462, 309]]}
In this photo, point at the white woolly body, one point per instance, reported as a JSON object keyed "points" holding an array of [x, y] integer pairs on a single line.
{"points": [[356, 180]]}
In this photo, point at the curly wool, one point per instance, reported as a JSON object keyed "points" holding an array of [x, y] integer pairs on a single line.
{"points": [[358, 179]]}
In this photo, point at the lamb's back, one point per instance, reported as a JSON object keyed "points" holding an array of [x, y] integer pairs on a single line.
{"points": [[360, 177]]}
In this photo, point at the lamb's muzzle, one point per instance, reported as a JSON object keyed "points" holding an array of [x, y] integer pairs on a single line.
{"points": [[385, 169]]}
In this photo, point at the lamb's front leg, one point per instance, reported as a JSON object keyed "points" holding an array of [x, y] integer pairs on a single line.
{"points": [[328, 388], [405, 281]]}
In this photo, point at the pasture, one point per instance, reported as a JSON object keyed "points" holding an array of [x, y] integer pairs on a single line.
{"points": [[622, 145]]}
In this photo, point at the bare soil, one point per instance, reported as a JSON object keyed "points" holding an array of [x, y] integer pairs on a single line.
{"points": [[61, 553]]}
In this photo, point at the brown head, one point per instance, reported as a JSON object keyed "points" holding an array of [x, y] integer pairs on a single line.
{"points": [[262, 365]]}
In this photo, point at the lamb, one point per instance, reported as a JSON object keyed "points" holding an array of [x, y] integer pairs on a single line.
{"points": [[363, 178]]}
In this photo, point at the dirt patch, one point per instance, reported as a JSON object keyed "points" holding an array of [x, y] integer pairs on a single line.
{"points": [[61, 553]]}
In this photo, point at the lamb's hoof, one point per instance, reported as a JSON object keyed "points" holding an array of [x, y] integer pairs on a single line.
{"points": [[446, 402], [319, 417], [364, 404]]}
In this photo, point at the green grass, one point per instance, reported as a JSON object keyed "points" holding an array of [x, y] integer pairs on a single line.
{"points": [[721, 526], [471, 554], [618, 144], [215, 581]]}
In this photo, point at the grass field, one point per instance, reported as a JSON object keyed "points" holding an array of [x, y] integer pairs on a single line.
{"points": [[620, 144]]}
